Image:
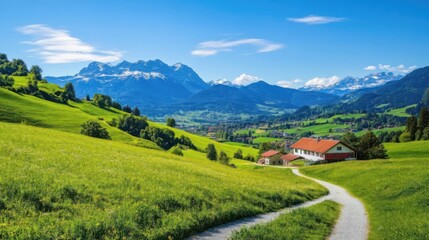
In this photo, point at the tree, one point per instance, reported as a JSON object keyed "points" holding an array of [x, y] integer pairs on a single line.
{"points": [[136, 111], [370, 147], [238, 154], [223, 158], [69, 91], [405, 137], [6, 81], [423, 120], [263, 147], [127, 109], [411, 127], [116, 105], [350, 139], [177, 151], [94, 129], [425, 98], [171, 122], [102, 101], [132, 125], [87, 98], [185, 141], [162, 137], [211, 152], [425, 135], [37, 71]]}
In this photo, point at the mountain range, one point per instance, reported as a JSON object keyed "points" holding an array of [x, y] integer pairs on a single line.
{"points": [[160, 89]]}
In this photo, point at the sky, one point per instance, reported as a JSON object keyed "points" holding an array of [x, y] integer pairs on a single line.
{"points": [[289, 43]]}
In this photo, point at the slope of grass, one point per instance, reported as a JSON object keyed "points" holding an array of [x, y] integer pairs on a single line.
{"points": [[319, 129], [400, 112], [266, 139], [395, 191], [57, 185], [315, 222], [19, 108]]}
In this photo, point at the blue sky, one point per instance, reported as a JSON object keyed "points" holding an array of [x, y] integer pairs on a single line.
{"points": [[282, 42]]}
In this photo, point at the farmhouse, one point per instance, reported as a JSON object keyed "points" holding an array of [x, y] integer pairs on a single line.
{"points": [[271, 157], [288, 158], [322, 149]]}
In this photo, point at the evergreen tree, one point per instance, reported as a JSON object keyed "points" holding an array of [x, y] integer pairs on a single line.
{"points": [[350, 139], [370, 147], [423, 121], [211, 152], [37, 71], [263, 147], [412, 127], [69, 91], [136, 111], [425, 98], [87, 98], [127, 109]]}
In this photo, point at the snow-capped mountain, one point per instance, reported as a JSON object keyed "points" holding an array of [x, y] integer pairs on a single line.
{"points": [[140, 83], [350, 84]]}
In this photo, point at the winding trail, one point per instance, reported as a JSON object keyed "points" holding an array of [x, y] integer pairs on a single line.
{"points": [[351, 225]]}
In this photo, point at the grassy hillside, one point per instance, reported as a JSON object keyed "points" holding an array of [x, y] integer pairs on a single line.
{"points": [[57, 185], [315, 222], [395, 191], [35, 111]]}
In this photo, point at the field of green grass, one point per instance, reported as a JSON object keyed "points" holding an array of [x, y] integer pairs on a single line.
{"points": [[58, 185], [266, 139], [315, 222], [400, 112], [395, 191], [322, 129], [35, 111]]}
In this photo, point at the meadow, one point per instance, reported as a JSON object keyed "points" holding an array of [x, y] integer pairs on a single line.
{"points": [[58, 185], [31, 110], [394, 191], [315, 222]]}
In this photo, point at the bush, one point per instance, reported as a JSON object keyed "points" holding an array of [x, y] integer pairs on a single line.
{"points": [[127, 109], [6, 81], [238, 154], [223, 158], [185, 141], [132, 124], [177, 151], [116, 105], [94, 129], [136, 111], [405, 137]]}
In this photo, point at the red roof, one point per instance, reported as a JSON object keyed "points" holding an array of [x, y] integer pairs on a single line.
{"points": [[315, 145], [290, 157], [269, 153]]}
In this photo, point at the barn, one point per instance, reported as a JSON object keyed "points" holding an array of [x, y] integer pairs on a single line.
{"points": [[271, 157], [315, 149]]}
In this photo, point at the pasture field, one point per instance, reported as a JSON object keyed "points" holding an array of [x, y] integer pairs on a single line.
{"points": [[315, 222], [400, 112], [266, 139], [58, 185], [19, 108], [394, 191]]}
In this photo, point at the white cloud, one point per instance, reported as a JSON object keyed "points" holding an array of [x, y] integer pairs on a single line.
{"points": [[389, 68], [370, 68], [313, 19], [289, 84], [209, 48], [322, 82], [245, 79], [58, 46]]}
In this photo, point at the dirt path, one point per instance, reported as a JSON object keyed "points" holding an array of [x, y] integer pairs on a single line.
{"points": [[352, 223]]}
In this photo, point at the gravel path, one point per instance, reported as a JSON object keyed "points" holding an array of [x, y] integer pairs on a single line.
{"points": [[352, 223]]}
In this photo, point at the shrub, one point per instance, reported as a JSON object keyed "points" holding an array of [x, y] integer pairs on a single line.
{"points": [[177, 151], [405, 137], [223, 158], [186, 141], [6, 81], [116, 105], [94, 129], [238, 154], [127, 109], [136, 111]]}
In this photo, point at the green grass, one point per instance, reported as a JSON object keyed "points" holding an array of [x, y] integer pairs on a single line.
{"points": [[35, 111], [378, 131], [47, 87], [395, 191], [57, 185], [237, 144], [266, 139], [322, 129], [315, 222], [400, 112]]}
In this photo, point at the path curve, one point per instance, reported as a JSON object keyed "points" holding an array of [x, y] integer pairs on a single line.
{"points": [[352, 223]]}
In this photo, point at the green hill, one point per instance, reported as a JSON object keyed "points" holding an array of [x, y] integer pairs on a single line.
{"points": [[395, 191], [58, 185], [35, 111]]}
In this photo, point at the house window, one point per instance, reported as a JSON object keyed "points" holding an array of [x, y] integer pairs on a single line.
{"points": [[339, 148]]}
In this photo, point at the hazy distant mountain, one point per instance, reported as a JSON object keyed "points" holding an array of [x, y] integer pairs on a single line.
{"points": [[409, 90], [140, 83], [351, 84]]}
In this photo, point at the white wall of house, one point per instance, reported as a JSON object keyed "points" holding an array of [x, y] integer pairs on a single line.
{"points": [[309, 155], [340, 148], [274, 160]]}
